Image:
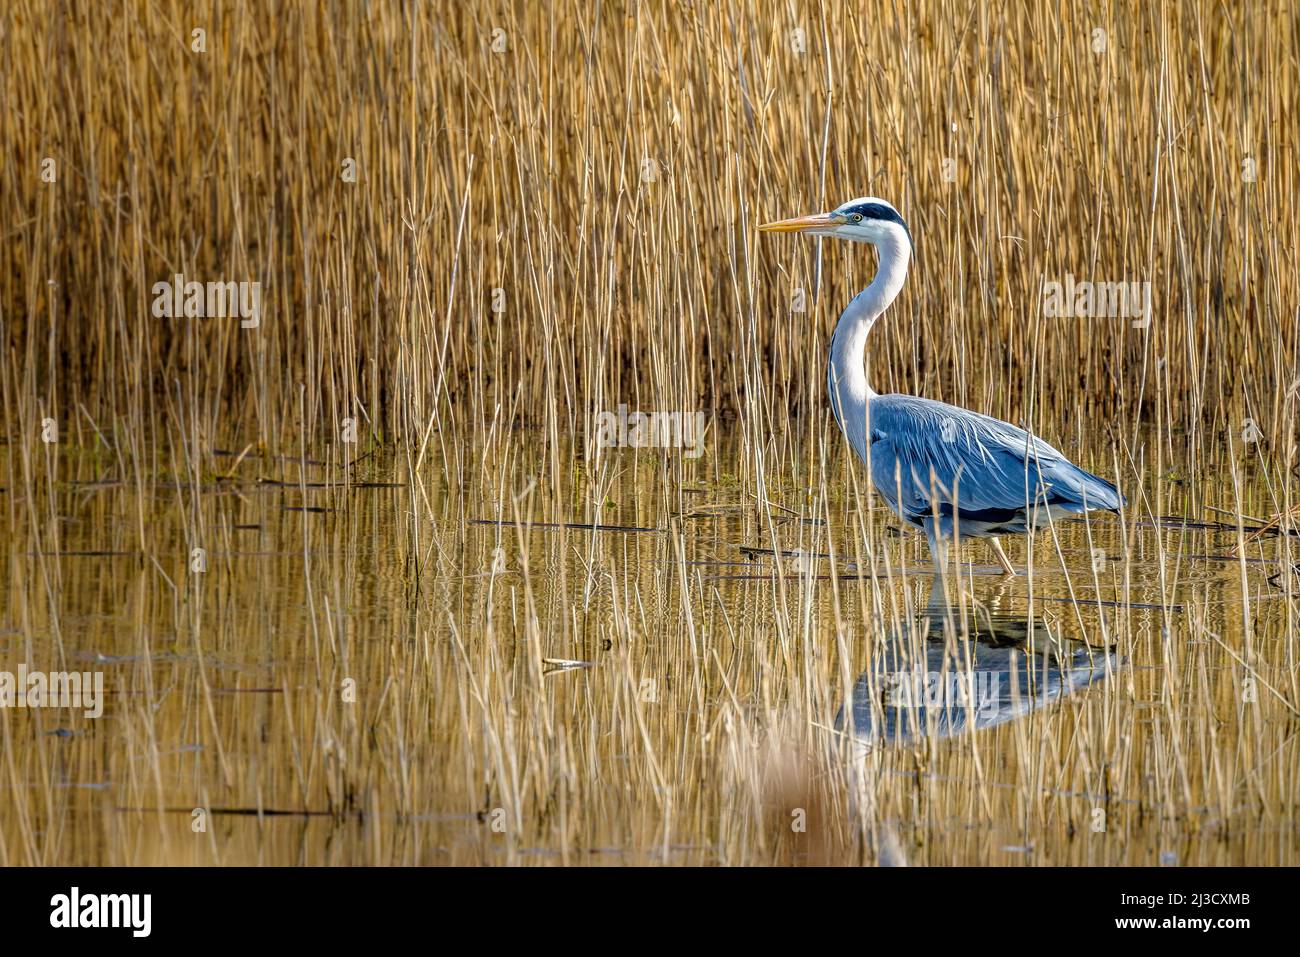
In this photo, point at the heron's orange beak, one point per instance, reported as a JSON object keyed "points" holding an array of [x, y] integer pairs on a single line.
{"points": [[800, 224]]}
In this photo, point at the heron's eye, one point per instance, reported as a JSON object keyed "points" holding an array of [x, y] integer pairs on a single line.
{"points": [[857, 217]]}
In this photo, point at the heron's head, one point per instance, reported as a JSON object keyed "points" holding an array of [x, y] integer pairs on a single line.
{"points": [[864, 220]]}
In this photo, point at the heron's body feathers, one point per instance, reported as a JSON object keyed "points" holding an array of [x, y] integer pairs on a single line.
{"points": [[933, 460]]}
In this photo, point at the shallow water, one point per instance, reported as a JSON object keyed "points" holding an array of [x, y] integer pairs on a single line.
{"points": [[386, 664]]}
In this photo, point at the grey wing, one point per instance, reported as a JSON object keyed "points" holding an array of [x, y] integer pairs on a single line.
{"points": [[932, 458]]}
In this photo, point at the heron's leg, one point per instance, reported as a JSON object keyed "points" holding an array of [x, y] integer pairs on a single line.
{"points": [[938, 600], [1002, 556], [939, 558], [938, 549]]}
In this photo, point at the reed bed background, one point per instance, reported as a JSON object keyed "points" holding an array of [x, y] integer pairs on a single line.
{"points": [[553, 213]]}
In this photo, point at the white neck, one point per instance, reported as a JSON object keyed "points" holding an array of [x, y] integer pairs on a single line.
{"points": [[847, 376]]}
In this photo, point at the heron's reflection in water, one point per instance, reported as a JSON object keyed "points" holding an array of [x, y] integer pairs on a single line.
{"points": [[941, 678]]}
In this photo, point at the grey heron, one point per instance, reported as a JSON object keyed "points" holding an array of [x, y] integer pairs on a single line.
{"points": [[946, 470]]}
